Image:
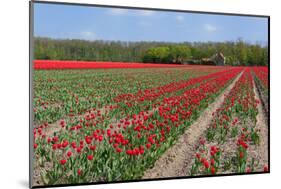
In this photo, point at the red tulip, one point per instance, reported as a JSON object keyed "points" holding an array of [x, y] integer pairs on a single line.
{"points": [[88, 140], [212, 162], [241, 155], [55, 139], [63, 161], [118, 150], [78, 150], [203, 160], [62, 123], [100, 138], [64, 144], [49, 140], [213, 170], [90, 157], [69, 153], [79, 172], [206, 164], [129, 152], [213, 148], [93, 148], [148, 145]]}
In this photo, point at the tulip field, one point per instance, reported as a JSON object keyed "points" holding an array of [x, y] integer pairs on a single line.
{"points": [[99, 122]]}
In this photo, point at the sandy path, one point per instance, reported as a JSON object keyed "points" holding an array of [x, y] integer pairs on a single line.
{"points": [[173, 162]]}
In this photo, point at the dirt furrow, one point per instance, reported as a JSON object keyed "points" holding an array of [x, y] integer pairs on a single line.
{"points": [[262, 149], [263, 97], [174, 160]]}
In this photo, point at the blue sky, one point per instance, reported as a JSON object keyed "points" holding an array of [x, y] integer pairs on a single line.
{"points": [[96, 23]]}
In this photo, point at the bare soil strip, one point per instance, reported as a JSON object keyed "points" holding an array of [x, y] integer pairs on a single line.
{"points": [[261, 152], [174, 161], [263, 97]]}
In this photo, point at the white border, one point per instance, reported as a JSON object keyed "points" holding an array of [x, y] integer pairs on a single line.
{"points": [[14, 70]]}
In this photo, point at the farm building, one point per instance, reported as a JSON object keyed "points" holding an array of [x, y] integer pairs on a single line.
{"points": [[217, 59]]}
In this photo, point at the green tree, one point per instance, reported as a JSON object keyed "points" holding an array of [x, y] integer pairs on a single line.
{"points": [[179, 53], [241, 53]]}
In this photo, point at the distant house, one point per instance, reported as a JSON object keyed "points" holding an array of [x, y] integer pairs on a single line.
{"points": [[217, 59], [208, 61]]}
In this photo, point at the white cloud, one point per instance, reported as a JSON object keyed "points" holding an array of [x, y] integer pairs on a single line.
{"points": [[146, 13], [210, 28], [179, 18], [117, 11], [88, 35]]}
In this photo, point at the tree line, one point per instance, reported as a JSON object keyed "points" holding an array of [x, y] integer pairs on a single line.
{"points": [[236, 52]]}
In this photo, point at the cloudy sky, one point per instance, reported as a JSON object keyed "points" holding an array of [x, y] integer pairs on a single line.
{"points": [[94, 23]]}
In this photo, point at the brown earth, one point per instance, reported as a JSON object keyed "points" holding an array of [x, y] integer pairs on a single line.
{"points": [[263, 97]]}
